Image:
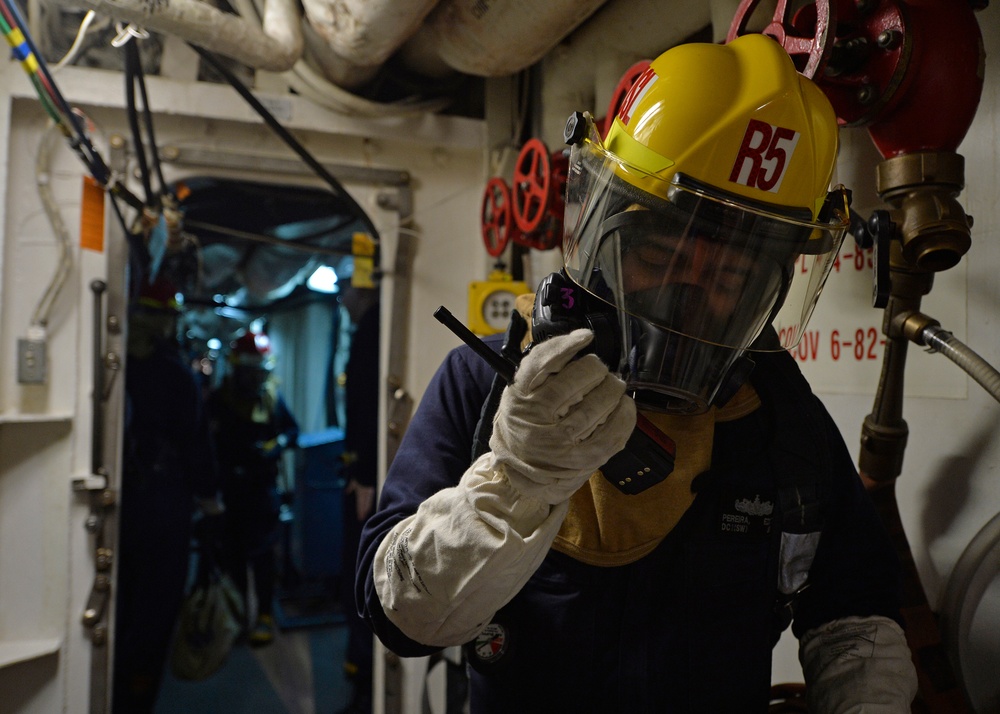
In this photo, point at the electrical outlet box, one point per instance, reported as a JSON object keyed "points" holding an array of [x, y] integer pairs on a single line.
{"points": [[32, 361]]}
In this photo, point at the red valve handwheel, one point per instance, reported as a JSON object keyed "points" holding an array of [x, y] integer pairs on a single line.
{"points": [[496, 221], [809, 52], [618, 96], [532, 185], [548, 231], [862, 92]]}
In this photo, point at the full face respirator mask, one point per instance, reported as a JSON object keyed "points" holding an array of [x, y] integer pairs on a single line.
{"points": [[665, 370], [679, 287], [697, 217]]}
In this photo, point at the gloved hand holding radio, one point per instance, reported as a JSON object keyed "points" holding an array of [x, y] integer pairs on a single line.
{"points": [[442, 572], [560, 420]]}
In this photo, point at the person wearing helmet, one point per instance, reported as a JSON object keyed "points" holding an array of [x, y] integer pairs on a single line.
{"points": [[631, 522], [252, 426], [705, 216], [169, 474], [361, 306]]}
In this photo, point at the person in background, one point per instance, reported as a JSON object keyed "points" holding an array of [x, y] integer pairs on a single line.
{"points": [[251, 426], [361, 475], [630, 519], [168, 474]]}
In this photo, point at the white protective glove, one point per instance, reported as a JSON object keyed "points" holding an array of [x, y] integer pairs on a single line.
{"points": [[442, 573], [858, 665], [560, 420]]}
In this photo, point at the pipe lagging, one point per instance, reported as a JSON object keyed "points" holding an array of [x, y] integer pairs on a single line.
{"points": [[275, 46], [940, 340]]}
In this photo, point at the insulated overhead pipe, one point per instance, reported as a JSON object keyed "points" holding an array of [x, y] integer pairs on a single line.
{"points": [[275, 46]]}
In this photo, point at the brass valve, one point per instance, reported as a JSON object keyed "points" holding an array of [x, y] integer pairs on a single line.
{"points": [[933, 229]]}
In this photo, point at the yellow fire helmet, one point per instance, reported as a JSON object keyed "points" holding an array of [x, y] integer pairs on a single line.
{"points": [[737, 117], [705, 214]]}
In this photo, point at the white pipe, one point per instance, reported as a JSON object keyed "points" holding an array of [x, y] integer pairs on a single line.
{"points": [[494, 39], [337, 69], [316, 52], [274, 48], [326, 91], [305, 80], [366, 32]]}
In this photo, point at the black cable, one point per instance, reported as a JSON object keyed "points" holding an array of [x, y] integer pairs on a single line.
{"points": [[81, 142], [147, 116], [338, 189], [78, 141], [118, 189], [131, 57], [119, 214]]}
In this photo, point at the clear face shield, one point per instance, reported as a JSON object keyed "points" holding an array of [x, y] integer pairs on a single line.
{"points": [[694, 277]]}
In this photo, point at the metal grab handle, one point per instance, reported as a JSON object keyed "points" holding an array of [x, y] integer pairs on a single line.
{"points": [[98, 288]]}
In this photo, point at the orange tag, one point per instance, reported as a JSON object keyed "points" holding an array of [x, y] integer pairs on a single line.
{"points": [[92, 216]]}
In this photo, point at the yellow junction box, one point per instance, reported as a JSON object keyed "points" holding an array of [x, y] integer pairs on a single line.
{"points": [[491, 302]]}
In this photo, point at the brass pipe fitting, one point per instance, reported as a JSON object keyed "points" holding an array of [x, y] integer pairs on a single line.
{"points": [[923, 187], [910, 325], [882, 448], [932, 233], [884, 432]]}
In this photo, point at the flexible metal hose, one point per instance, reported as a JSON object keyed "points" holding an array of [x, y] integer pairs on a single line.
{"points": [[940, 340]]}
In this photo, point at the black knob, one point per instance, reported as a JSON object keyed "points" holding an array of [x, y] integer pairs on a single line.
{"points": [[576, 128]]}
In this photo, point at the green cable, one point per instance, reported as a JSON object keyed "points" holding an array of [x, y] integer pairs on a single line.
{"points": [[29, 64], [47, 104]]}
